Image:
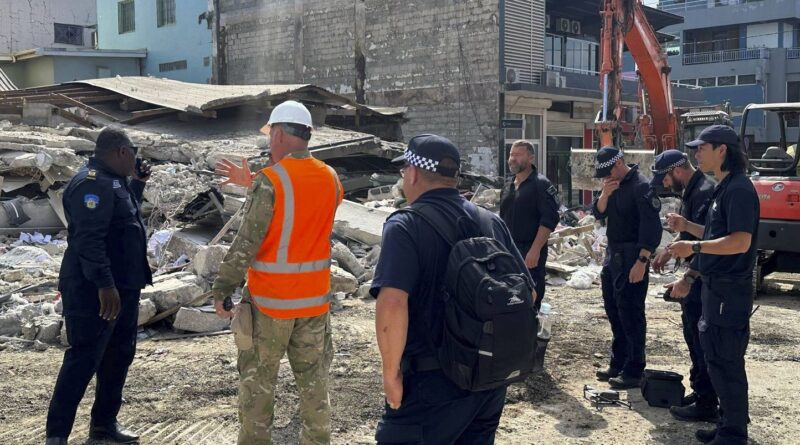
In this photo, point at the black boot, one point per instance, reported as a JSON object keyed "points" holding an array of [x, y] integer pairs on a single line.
{"points": [[114, 432], [608, 373], [706, 436], [624, 381], [56, 441], [688, 400], [695, 412]]}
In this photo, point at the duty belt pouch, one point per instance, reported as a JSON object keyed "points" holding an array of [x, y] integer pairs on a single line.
{"points": [[662, 388], [242, 326]]}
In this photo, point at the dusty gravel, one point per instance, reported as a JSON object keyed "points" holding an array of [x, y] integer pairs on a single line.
{"points": [[184, 391]]}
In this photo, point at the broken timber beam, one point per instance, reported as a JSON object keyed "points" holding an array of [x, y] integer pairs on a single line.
{"points": [[146, 115], [74, 117], [82, 105]]}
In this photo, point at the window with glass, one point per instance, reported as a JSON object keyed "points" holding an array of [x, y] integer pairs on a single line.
{"points": [[126, 16], [792, 95], [692, 82], [726, 81], [707, 81], [581, 55], [165, 12], [553, 50], [747, 79]]}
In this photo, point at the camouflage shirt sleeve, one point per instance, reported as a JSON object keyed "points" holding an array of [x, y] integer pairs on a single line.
{"points": [[258, 210]]}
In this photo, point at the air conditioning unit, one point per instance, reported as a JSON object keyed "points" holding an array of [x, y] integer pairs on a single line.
{"points": [[575, 27], [564, 25], [511, 75], [552, 79]]}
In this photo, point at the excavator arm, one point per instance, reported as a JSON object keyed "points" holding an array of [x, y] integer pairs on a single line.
{"points": [[624, 22]]}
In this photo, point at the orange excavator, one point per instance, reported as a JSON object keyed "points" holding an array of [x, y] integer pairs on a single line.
{"points": [[624, 23], [656, 127]]}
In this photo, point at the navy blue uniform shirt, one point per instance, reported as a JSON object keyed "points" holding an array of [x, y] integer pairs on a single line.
{"points": [[694, 205], [632, 213], [105, 234], [734, 208], [534, 203], [414, 259]]}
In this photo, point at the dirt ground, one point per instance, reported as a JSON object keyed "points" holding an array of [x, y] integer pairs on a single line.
{"points": [[184, 391]]}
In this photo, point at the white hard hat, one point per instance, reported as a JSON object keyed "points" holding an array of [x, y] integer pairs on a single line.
{"points": [[289, 112]]}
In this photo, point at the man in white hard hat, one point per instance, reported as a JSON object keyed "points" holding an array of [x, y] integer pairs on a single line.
{"points": [[283, 248]]}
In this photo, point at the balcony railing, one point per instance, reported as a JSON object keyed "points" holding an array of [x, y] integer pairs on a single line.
{"points": [[566, 69], [677, 7], [793, 53], [730, 55]]}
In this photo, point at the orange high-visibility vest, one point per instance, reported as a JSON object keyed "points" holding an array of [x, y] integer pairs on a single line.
{"points": [[290, 276]]}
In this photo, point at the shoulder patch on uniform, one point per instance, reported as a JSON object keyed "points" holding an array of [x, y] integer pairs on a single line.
{"points": [[91, 201], [92, 174], [655, 202], [552, 190], [116, 184]]}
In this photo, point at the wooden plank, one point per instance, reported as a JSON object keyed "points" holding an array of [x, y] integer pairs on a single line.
{"points": [[82, 105], [74, 117], [146, 115]]}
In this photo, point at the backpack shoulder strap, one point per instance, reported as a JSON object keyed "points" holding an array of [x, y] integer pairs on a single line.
{"points": [[436, 220], [485, 222]]}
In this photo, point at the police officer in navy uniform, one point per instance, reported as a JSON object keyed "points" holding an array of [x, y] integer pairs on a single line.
{"points": [[631, 209], [422, 404], [103, 271], [672, 170], [726, 258], [529, 207]]}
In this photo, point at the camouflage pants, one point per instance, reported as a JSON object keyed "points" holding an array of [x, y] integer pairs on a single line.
{"points": [[307, 342]]}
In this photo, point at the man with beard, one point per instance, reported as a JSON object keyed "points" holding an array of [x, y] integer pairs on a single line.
{"points": [[529, 207], [672, 170]]}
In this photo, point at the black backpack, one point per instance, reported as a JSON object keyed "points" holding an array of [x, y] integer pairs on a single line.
{"points": [[488, 337]]}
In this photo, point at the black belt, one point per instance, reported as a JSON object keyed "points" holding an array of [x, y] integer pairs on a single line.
{"points": [[410, 365]]}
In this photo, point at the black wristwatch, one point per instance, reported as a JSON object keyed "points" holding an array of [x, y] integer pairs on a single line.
{"points": [[643, 259], [696, 247]]}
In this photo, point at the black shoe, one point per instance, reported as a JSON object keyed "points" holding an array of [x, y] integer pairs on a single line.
{"points": [[623, 381], [56, 441], [114, 432], [608, 373], [688, 400], [695, 413], [706, 436]]}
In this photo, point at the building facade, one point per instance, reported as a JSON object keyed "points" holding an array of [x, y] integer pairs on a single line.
{"points": [[481, 72], [741, 51], [43, 43], [175, 33]]}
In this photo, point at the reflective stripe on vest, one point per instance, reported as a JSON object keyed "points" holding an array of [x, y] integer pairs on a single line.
{"points": [[297, 303], [310, 266]]}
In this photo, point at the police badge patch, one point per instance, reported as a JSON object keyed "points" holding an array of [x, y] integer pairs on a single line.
{"points": [[553, 191], [91, 201], [116, 184], [655, 203]]}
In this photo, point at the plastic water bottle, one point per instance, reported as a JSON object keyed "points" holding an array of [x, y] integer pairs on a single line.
{"points": [[545, 322]]}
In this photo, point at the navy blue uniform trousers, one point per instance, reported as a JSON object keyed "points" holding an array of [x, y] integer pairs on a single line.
{"points": [[624, 305], [692, 311], [97, 346], [437, 412]]}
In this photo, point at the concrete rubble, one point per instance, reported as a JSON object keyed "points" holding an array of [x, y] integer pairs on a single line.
{"points": [[202, 319]]}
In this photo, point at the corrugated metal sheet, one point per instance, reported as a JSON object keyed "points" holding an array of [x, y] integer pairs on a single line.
{"points": [[198, 98], [5, 83], [524, 38], [564, 128]]}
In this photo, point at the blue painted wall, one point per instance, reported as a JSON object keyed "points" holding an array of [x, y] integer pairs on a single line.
{"points": [[186, 39]]}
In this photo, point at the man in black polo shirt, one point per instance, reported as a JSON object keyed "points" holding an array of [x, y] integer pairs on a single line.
{"points": [[726, 259], [634, 232], [529, 207], [422, 404], [672, 170]]}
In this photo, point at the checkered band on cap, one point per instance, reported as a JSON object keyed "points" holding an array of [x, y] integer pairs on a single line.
{"points": [[610, 162], [669, 168], [421, 161]]}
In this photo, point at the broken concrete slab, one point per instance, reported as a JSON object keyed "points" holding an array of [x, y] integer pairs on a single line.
{"points": [[172, 292], [10, 324], [342, 281], [147, 310], [359, 223], [26, 256], [346, 259], [48, 329], [199, 320], [208, 259]]}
